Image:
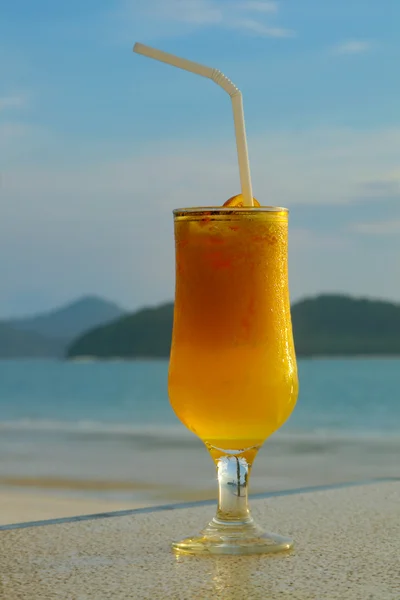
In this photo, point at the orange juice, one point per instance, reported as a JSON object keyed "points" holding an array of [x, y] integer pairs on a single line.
{"points": [[233, 377]]}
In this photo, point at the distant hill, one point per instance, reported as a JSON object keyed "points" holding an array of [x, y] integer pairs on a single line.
{"points": [[49, 334], [146, 333], [340, 325], [27, 344], [71, 320], [333, 325]]}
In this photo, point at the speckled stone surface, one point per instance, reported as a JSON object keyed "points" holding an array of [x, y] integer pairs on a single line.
{"points": [[347, 547]]}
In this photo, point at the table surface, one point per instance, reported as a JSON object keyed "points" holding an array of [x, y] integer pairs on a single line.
{"points": [[347, 547]]}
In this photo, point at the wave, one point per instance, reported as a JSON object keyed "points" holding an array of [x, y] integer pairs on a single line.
{"points": [[178, 433], [93, 427]]}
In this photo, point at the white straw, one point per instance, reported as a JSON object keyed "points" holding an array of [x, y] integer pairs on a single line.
{"points": [[237, 106]]}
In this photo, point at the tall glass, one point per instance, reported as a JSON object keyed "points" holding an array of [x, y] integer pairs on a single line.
{"points": [[233, 376]]}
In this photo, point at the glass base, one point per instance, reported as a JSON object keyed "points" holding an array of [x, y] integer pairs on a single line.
{"points": [[224, 537]]}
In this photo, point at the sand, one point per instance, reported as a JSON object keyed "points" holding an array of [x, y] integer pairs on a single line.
{"points": [[347, 547], [18, 506]]}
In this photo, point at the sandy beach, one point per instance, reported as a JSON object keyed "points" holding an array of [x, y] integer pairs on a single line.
{"points": [[19, 506]]}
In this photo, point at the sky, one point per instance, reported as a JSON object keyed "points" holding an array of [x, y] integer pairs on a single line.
{"points": [[98, 145]]}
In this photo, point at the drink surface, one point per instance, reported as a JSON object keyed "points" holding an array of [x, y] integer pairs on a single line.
{"points": [[233, 377]]}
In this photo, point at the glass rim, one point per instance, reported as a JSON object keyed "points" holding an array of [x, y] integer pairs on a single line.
{"points": [[230, 209]]}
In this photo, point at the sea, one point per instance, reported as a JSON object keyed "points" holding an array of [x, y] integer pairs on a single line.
{"points": [[106, 430]]}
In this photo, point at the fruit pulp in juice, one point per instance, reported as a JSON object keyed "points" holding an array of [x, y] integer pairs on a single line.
{"points": [[233, 377]]}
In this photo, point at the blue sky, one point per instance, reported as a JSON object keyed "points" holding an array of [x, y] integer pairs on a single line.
{"points": [[98, 145]]}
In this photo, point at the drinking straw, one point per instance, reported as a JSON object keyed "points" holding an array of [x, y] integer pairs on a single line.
{"points": [[237, 106]]}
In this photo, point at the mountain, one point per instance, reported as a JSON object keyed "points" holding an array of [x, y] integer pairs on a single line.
{"points": [[71, 320], [146, 333], [27, 344], [49, 334], [326, 325], [340, 325]]}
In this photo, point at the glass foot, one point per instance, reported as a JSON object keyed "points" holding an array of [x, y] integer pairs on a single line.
{"points": [[233, 538]]}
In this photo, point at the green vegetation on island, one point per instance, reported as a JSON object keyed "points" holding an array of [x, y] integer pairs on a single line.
{"points": [[70, 321], [144, 334], [337, 325], [331, 325], [327, 325], [48, 335]]}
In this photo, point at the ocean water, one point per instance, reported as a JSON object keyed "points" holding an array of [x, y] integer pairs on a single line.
{"points": [[106, 429]]}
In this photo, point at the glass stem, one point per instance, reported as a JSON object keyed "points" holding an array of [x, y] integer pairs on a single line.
{"points": [[233, 481]]}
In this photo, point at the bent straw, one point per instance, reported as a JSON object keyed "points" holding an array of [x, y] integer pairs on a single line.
{"points": [[237, 106]]}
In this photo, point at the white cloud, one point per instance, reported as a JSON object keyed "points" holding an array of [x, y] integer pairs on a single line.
{"points": [[323, 166], [10, 130], [262, 7], [13, 136], [388, 227], [20, 139], [263, 30], [383, 188], [309, 239], [118, 211], [352, 47], [197, 12], [251, 17], [8, 102], [288, 168]]}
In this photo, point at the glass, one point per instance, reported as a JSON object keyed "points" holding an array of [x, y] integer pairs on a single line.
{"points": [[233, 375]]}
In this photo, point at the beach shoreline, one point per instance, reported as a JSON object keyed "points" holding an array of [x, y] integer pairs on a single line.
{"points": [[21, 506], [80, 439]]}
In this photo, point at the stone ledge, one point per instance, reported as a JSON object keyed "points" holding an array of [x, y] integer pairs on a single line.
{"points": [[347, 547]]}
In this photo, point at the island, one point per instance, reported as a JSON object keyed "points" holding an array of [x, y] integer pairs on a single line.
{"points": [[326, 325], [49, 334]]}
